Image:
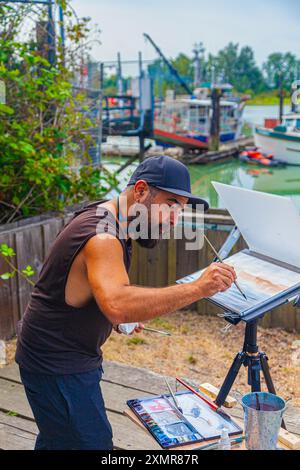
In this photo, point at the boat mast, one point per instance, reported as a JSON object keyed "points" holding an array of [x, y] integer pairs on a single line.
{"points": [[198, 51]]}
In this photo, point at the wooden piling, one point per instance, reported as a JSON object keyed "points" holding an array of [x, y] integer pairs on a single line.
{"points": [[214, 140]]}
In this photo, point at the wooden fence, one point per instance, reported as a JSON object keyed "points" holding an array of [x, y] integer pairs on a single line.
{"points": [[160, 266]]}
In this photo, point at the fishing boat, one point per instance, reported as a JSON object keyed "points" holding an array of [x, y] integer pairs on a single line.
{"points": [[282, 141], [186, 121]]}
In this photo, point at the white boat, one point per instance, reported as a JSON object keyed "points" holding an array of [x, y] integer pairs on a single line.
{"points": [[283, 141]]}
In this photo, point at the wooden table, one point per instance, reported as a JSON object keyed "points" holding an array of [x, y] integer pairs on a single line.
{"points": [[182, 448], [120, 383]]}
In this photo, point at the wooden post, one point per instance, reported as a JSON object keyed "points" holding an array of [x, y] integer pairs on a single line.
{"points": [[142, 146], [41, 39], [141, 134], [51, 36], [46, 49], [100, 128], [280, 97], [215, 120]]}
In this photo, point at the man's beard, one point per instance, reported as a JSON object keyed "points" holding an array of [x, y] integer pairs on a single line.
{"points": [[145, 242]]}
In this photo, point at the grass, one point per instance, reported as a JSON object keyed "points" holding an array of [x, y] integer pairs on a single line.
{"points": [[192, 360], [199, 350], [11, 413], [267, 99], [161, 323], [247, 130], [135, 340]]}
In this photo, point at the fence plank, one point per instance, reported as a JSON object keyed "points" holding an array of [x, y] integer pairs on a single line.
{"points": [[29, 246], [133, 273], [157, 265], [297, 319], [285, 315], [9, 307], [50, 231], [172, 265]]}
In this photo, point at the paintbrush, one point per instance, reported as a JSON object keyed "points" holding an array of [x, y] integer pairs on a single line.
{"points": [[221, 261], [173, 396], [166, 333], [198, 394], [257, 402], [215, 445]]}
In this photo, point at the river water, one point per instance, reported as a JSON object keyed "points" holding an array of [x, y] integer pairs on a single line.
{"points": [[283, 181]]}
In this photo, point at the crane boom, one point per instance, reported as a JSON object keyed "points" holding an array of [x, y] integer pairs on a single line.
{"points": [[169, 65]]}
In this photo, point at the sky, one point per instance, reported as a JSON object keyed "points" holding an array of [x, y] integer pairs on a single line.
{"points": [[176, 25]]}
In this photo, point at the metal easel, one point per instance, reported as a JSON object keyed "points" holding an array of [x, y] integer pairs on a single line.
{"points": [[250, 356]]}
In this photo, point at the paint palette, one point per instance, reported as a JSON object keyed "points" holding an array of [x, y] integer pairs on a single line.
{"points": [[170, 427]]}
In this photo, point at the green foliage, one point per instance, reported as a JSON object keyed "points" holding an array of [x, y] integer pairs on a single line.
{"points": [[110, 85], [11, 413], [163, 79], [183, 65], [280, 66], [28, 271], [268, 98], [44, 138], [7, 253]]}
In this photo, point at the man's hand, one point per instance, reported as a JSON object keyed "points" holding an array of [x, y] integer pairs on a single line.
{"points": [[138, 328], [218, 277]]}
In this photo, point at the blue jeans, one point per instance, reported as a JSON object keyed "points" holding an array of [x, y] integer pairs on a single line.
{"points": [[69, 410]]}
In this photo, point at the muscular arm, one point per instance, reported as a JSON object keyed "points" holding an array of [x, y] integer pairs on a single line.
{"points": [[122, 302]]}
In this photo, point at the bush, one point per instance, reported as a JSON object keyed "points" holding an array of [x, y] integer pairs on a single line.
{"points": [[43, 126]]}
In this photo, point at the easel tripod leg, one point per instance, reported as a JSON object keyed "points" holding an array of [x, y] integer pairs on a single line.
{"points": [[268, 378], [266, 372], [230, 378], [254, 367]]}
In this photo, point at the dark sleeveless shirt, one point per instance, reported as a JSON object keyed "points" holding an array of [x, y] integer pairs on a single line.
{"points": [[54, 337]]}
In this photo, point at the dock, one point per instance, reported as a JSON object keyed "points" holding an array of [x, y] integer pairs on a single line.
{"points": [[120, 383], [127, 147], [229, 150]]}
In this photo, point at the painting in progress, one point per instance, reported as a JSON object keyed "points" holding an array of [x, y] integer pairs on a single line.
{"points": [[260, 280]]}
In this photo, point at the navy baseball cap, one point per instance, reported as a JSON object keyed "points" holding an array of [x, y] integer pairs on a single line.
{"points": [[167, 174]]}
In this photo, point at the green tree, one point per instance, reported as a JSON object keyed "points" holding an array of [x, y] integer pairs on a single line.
{"points": [[163, 77], [184, 66], [110, 85], [236, 67], [227, 63], [279, 66], [247, 74]]}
